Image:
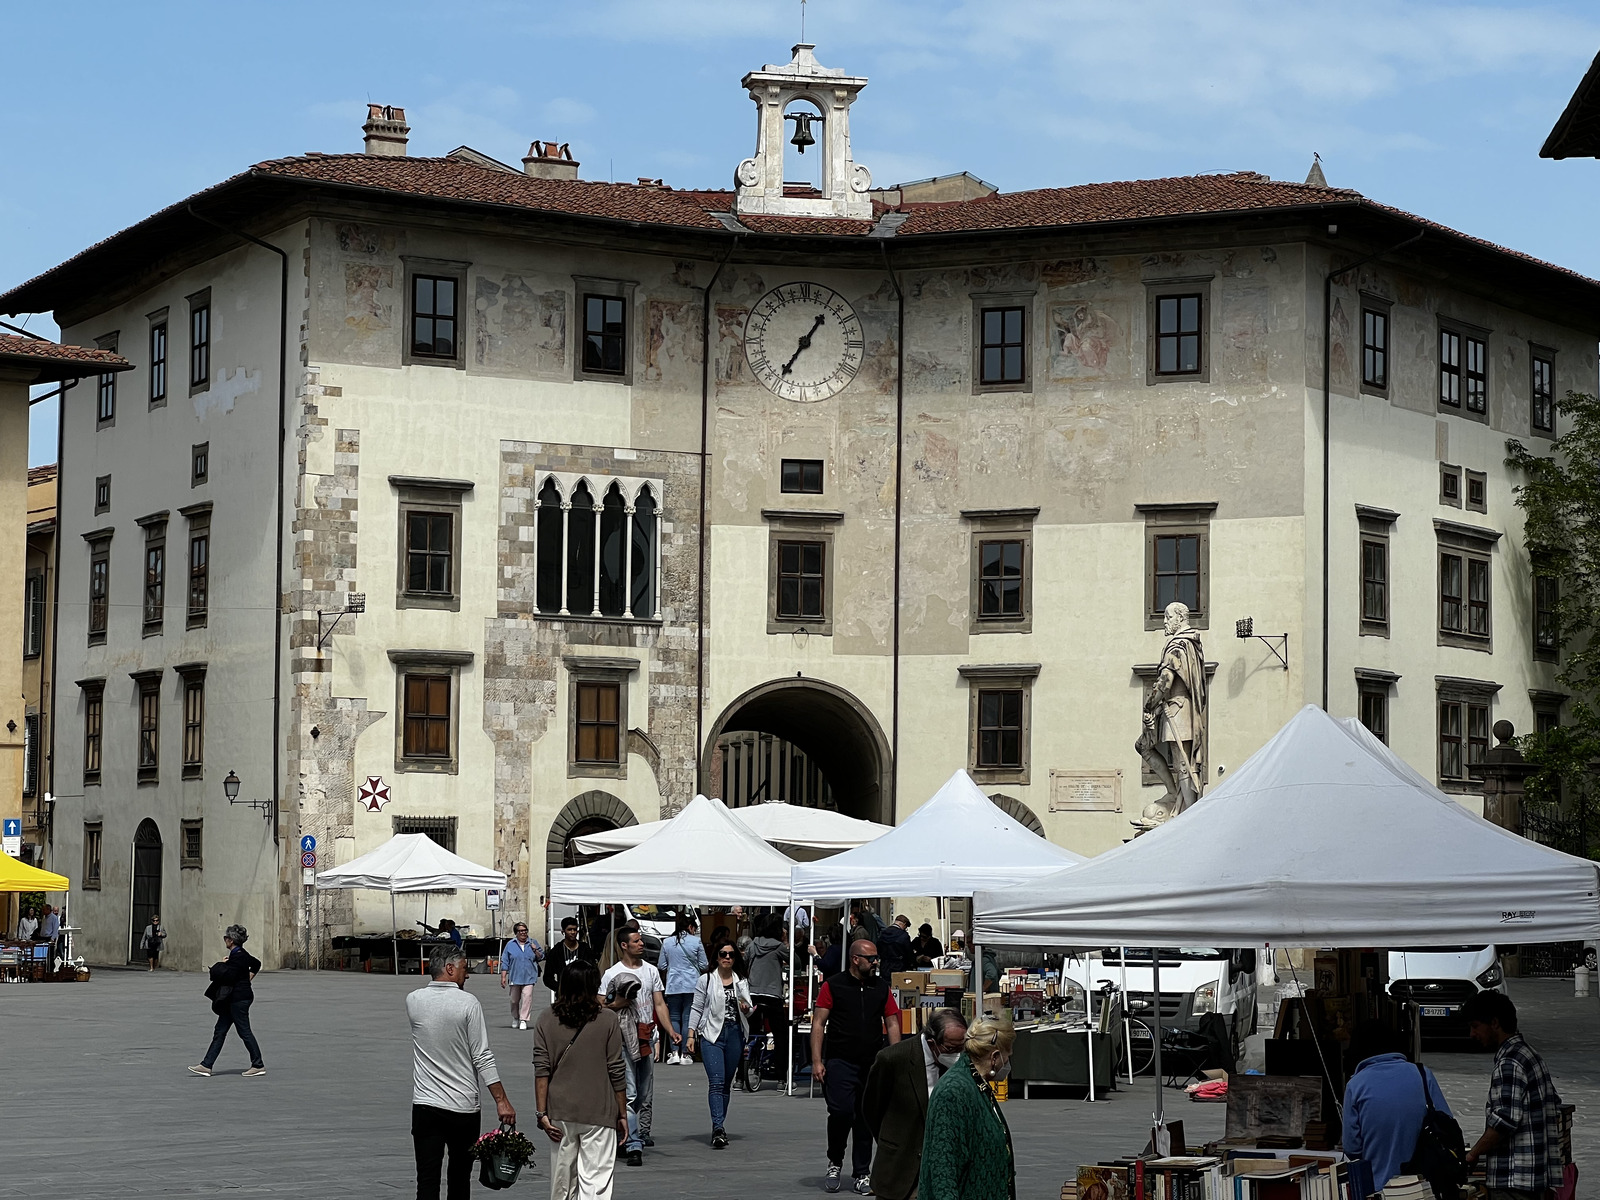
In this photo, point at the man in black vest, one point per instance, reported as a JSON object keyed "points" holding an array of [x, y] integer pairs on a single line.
{"points": [[568, 950], [855, 1012]]}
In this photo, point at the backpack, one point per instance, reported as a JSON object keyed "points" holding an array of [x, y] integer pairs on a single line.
{"points": [[1440, 1155]]}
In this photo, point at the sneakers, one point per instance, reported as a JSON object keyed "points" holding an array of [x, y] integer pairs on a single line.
{"points": [[719, 1139], [646, 1140], [522, 1024], [833, 1182], [254, 1071], [200, 1070], [636, 1158], [863, 1185]]}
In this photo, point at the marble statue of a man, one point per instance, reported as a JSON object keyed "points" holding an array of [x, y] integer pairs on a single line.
{"points": [[1173, 740]]}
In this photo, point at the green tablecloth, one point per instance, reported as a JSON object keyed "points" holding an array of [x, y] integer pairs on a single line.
{"points": [[1060, 1056]]}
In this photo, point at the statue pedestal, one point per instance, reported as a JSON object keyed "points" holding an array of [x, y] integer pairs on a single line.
{"points": [[1504, 772]]}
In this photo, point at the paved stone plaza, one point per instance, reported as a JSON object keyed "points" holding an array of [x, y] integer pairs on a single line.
{"points": [[97, 1103]]}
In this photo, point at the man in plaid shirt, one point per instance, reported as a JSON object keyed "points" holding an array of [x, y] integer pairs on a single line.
{"points": [[1519, 1149]]}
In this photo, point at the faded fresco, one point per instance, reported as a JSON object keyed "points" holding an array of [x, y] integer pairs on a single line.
{"points": [[1084, 337], [672, 339], [517, 329], [369, 298]]}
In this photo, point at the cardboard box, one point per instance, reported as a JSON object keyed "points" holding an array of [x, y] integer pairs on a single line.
{"points": [[944, 979], [909, 981]]}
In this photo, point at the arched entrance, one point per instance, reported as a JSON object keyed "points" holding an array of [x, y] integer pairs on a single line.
{"points": [[591, 812], [837, 737], [1018, 812], [146, 882]]}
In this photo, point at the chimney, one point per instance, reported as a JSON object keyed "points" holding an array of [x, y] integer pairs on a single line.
{"points": [[549, 160], [386, 130]]}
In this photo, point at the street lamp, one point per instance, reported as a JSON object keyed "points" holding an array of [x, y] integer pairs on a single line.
{"points": [[230, 789]]}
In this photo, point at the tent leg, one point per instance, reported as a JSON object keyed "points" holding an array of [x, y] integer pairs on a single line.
{"points": [[788, 1085], [1155, 985], [395, 921]]}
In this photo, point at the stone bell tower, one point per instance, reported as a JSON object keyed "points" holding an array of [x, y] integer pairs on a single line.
{"points": [[759, 179]]}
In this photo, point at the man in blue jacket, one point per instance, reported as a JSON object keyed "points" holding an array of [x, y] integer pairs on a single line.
{"points": [[1384, 1104]]}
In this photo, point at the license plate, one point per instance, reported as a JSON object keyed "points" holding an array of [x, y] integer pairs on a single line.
{"points": [[1437, 1010]]}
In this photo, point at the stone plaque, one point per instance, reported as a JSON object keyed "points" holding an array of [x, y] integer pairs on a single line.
{"points": [[1085, 791]]}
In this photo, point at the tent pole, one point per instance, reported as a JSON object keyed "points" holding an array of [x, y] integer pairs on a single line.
{"points": [[1127, 1023], [1155, 984], [395, 921], [788, 1022]]}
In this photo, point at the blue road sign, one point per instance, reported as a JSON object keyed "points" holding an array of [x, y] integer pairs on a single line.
{"points": [[308, 842], [13, 827]]}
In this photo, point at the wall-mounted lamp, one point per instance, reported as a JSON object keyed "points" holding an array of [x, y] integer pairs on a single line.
{"points": [[230, 789], [1246, 629], [356, 603]]}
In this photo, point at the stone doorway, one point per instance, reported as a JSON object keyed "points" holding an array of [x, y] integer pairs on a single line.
{"points": [[146, 882], [805, 741]]}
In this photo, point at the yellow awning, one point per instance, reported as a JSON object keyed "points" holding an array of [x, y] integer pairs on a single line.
{"points": [[20, 877]]}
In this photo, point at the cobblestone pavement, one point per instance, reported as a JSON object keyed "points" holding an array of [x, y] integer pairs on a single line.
{"points": [[96, 1101]]}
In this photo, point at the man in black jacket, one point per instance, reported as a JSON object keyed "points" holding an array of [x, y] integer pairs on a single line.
{"points": [[894, 943], [854, 1013], [568, 950], [896, 1100]]}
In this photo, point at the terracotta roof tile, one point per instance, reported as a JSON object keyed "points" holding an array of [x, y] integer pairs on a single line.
{"points": [[804, 226], [25, 350], [44, 474]]}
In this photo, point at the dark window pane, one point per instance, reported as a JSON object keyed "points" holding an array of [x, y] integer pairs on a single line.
{"points": [[811, 598], [1188, 554], [1188, 353], [547, 569], [992, 356], [1166, 554], [1167, 308], [811, 556], [992, 327], [789, 597], [1167, 357], [1013, 364], [1189, 313], [1013, 319], [424, 294], [445, 298]]}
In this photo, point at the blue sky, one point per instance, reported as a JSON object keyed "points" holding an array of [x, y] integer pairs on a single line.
{"points": [[1438, 108]]}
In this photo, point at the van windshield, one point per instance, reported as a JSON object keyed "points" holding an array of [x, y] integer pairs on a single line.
{"points": [[1113, 954]]}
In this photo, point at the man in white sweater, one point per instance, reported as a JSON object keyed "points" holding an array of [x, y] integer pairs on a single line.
{"points": [[452, 1058]]}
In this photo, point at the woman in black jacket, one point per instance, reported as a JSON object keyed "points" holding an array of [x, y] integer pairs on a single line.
{"points": [[231, 995]]}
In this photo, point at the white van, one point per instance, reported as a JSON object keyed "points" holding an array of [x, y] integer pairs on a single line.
{"points": [[1441, 979], [1195, 980]]}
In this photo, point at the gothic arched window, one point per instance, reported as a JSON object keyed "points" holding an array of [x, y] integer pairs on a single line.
{"points": [[646, 527], [613, 535], [580, 552], [547, 559]]}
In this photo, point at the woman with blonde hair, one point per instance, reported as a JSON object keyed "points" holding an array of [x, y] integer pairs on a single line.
{"points": [[966, 1146]]}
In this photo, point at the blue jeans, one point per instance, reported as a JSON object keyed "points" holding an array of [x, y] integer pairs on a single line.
{"points": [[641, 1073], [721, 1059], [678, 1006], [237, 1014]]}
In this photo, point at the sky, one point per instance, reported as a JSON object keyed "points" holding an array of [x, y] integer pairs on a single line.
{"points": [[1435, 108]]}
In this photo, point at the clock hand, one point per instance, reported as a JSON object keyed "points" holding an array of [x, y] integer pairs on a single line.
{"points": [[805, 341]]}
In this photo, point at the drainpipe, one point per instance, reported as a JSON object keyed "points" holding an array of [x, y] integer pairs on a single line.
{"points": [[899, 459], [1327, 437], [55, 590], [700, 572], [283, 437]]}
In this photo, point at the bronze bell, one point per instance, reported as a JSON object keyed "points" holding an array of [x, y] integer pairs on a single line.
{"points": [[802, 129]]}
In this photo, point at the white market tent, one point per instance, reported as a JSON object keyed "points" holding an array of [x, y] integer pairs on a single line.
{"points": [[702, 856], [410, 862], [1324, 837], [956, 843], [792, 828]]}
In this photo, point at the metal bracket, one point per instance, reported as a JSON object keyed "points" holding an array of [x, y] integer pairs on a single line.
{"points": [[357, 603], [1278, 643]]}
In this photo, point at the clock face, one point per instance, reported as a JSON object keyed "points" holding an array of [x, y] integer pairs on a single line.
{"points": [[804, 342]]}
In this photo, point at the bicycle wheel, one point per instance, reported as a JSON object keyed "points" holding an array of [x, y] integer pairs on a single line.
{"points": [[1144, 1046], [751, 1081]]}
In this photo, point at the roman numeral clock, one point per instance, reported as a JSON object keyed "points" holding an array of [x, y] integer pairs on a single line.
{"points": [[804, 342]]}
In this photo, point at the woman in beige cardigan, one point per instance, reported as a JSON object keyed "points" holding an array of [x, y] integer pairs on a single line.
{"points": [[580, 1087]]}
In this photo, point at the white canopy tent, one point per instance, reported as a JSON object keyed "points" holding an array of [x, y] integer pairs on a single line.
{"points": [[702, 856], [798, 831], [1324, 837], [410, 862]]}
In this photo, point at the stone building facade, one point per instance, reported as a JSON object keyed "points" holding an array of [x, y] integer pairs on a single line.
{"points": [[647, 491]]}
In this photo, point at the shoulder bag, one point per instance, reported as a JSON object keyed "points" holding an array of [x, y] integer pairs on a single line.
{"points": [[1440, 1155]]}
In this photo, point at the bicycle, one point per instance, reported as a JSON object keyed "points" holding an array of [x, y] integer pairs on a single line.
{"points": [[1136, 1050]]}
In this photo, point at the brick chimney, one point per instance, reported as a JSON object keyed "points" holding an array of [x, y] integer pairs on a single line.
{"points": [[386, 130], [548, 160]]}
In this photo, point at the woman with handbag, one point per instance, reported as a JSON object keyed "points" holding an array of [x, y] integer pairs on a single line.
{"points": [[152, 940], [719, 1020], [231, 996], [580, 1086]]}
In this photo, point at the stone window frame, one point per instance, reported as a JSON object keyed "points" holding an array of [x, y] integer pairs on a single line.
{"points": [[199, 518], [192, 680], [1541, 356], [1546, 704], [1000, 525], [1179, 285], [199, 464], [439, 268], [418, 494], [991, 677], [1381, 308], [1376, 684], [631, 487], [94, 728], [99, 545], [1027, 301], [1546, 596], [186, 859], [1464, 332], [442, 664], [200, 346], [1374, 526], [801, 525], [625, 290], [1470, 544], [102, 494], [1450, 473], [105, 403], [155, 539], [1463, 695], [93, 854], [1177, 519], [598, 669], [160, 372], [1481, 478], [147, 719]]}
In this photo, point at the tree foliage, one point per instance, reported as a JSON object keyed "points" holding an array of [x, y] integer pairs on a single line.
{"points": [[1560, 501]]}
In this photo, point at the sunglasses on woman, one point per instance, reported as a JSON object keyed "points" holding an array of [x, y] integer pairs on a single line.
{"points": [[725, 954]]}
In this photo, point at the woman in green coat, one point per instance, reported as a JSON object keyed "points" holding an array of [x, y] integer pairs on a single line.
{"points": [[966, 1146]]}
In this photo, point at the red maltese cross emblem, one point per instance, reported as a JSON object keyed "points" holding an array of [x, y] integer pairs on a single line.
{"points": [[373, 794]]}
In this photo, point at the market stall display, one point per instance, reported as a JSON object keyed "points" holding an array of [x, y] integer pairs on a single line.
{"points": [[28, 960]]}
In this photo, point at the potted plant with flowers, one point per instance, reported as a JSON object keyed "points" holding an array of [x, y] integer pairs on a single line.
{"points": [[502, 1153]]}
